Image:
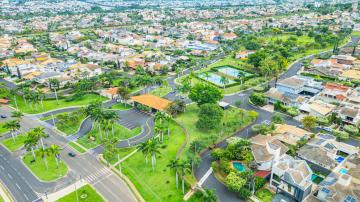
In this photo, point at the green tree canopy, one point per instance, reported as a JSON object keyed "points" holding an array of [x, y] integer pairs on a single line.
{"points": [[203, 93]]}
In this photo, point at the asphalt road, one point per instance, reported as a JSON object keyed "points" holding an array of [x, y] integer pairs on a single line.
{"points": [[85, 166]]}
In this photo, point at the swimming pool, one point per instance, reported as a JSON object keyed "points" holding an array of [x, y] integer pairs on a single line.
{"points": [[339, 159], [343, 171], [316, 179], [215, 79], [233, 72], [239, 166]]}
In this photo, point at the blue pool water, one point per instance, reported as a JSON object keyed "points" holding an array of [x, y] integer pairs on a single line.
{"points": [[239, 166], [343, 171], [232, 71], [339, 159], [215, 79]]}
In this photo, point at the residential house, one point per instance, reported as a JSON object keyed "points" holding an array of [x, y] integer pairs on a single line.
{"points": [[290, 134], [349, 114], [326, 152], [229, 36], [317, 108], [287, 99], [344, 59], [292, 178], [333, 92], [299, 85], [266, 151], [244, 54]]}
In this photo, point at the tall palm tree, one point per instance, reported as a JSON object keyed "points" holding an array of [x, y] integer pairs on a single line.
{"points": [[144, 148], [43, 153], [55, 150], [17, 114], [54, 84], [207, 75], [13, 126], [40, 134], [174, 165], [208, 195], [14, 93], [154, 148], [31, 142], [184, 168], [41, 96], [224, 81], [124, 93]]}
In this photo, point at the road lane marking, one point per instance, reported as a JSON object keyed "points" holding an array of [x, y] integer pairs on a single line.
{"points": [[207, 174], [10, 176], [2, 167], [17, 186], [26, 197]]}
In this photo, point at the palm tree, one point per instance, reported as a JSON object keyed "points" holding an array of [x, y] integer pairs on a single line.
{"points": [[174, 165], [14, 93], [13, 126], [40, 134], [31, 142], [54, 84], [154, 147], [207, 75], [41, 95], [55, 150], [224, 81], [208, 195], [184, 169], [43, 153], [241, 76], [144, 148], [124, 93], [17, 114]]}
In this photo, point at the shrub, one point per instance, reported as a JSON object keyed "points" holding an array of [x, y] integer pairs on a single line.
{"points": [[258, 99], [292, 111], [352, 130], [225, 166], [244, 193], [322, 121], [234, 182], [259, 183], [341, 135], [217, 153]]}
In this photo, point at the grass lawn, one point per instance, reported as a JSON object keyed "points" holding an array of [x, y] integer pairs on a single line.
{"points": [[38, 168], [121, 153], [85, 194], [52, 104], [69, 127], [77, 147], [161, 91], [120, 132], [356, 33], [13, 146], [158, 185], [120, 106], [234, 119], [264, 195], [2, 129]]}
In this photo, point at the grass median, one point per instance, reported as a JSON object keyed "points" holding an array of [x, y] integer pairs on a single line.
{"points": [[12, 145], [85, 194], [39, 169]]}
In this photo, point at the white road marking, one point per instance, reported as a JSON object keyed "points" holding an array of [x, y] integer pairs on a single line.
{"points": [[10, 176], [17, 186], [26, 197], [207, 174], [2, 167]]}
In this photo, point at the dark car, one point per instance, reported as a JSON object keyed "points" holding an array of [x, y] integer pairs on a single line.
{"points": [[3, 116], [71, 154]]}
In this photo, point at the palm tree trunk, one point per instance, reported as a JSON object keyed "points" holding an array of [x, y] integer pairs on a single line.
{"points": [[100, 132], [57, 101], [177, 180], [33, 153], [16, 102], [182, 184], [42, 104], [45, 161], [42, 143], [57, 162], [146, 159], [12, 135], [153, 162]]}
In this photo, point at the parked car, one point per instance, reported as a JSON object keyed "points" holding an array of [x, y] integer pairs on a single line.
{"points": [[3, 116], [71, 154], [328, 129]]}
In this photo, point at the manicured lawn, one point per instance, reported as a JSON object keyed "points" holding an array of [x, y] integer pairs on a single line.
{"points": [[120, 132], [121, 106], [13, 146], [39, 169], [234, 119], [161, 91], [158, 185], [52, 104], [264, 195], [77, 147], [121, 153], [68, 126], [2, 129], [85, 194], [356, 33]]}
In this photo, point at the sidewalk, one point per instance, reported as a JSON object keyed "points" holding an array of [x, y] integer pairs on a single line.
{"points": [[4, 194], [63, 192]]}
